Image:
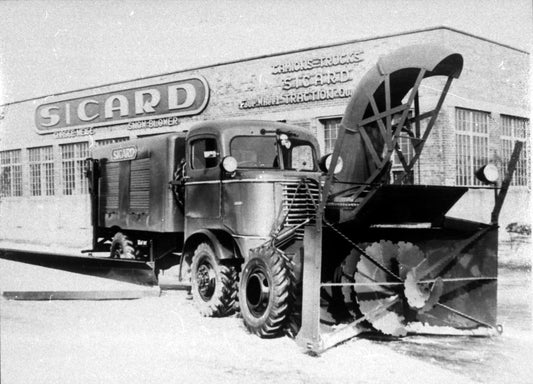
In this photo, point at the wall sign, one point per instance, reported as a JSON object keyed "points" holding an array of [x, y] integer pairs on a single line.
{"points": [[317, 62], [183, 97], [308, 80], [69, 133], [155, 123]]}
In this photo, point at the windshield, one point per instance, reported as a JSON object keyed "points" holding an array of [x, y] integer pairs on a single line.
{"points": [[266, 151]]}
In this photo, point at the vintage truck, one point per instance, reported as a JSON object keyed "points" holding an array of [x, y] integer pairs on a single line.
{"points": [[204, 199]]}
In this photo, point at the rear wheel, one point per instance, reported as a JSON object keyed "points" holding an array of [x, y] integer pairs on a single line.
{"points": [[122, 247], [213, 285], [265, 295]]}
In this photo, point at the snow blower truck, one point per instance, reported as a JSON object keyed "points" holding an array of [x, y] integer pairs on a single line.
{"points": [[260, 223]]}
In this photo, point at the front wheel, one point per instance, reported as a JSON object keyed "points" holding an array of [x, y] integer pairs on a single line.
{"points": [[213, 285], [265, 292]]}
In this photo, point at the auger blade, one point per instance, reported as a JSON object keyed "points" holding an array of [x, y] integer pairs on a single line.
{"points": [[451, 283], [375, 288]]}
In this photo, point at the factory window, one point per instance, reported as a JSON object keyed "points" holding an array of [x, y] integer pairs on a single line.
{"points": [[10, 173], [331, 130], [472, 144], [73, 168], [111, 141], [41, 163], [408, 152], [513, 129]]}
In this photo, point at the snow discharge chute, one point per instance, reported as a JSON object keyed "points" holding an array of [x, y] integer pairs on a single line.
{"points": [[386, 105]]}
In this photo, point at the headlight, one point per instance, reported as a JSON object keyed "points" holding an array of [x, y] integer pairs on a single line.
{"points": [[488, 174], [325, 163], [229, 164]]}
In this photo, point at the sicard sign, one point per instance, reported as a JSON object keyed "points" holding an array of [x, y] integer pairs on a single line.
{"points": [[166, 99]]}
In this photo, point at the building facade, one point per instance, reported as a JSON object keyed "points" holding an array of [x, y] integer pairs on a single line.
{"points": [[44, 141]]}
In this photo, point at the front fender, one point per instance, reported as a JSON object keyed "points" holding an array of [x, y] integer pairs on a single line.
{"points": [[222, 242]]}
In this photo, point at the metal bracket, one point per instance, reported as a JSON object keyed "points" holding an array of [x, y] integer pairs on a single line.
{"points": [[309, 335]]}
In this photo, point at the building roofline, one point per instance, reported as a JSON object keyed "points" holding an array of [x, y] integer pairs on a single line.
{"points": [[274, 55]]}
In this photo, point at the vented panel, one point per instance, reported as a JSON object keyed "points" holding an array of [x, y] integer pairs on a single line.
{"points": [[299, 204], [110, 177], [140, 185]]}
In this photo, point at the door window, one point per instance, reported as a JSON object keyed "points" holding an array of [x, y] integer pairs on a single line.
{"points": [[204, 153]]}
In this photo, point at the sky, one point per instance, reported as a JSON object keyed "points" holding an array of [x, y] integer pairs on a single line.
{"points": [[48, 47]]}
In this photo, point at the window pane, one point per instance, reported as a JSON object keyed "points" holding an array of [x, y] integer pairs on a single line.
{"points": [[472, 144], [73, 168], [254, 151], [513, 129], [111, 141], [41, 169], [204, 154], [10, 173], [331, 130]]}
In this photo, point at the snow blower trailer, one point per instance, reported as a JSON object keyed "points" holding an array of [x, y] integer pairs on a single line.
{"points": [[317, 248]]}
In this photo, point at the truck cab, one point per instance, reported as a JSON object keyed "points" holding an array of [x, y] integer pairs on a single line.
{"points": [[244, 184], [239, 175]]}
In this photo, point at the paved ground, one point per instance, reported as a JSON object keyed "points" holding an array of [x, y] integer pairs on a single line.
{"points": [[163, 339]]}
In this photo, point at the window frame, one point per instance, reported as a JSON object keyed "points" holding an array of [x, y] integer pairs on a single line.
{"points": [[329, 140], [11, 161], [510, 127], [41, 171], [73, 180], [192, 152], [272, 167], [471, 144]]}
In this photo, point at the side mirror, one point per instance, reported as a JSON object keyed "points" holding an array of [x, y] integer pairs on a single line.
{"points": [[325, 163], [488, 174]]}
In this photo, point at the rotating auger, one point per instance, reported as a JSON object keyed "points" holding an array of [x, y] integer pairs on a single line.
{"points": [[396, 284]]}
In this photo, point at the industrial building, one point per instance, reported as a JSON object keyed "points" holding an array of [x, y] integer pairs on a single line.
{"points": [[44, 141]]}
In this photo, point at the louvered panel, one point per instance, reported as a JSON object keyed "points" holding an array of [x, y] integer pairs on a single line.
{"points": [[140, 185], [109, 191], [298, 205]]}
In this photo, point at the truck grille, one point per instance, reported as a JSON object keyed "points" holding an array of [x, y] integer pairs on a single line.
{"points": [[299, 201]]}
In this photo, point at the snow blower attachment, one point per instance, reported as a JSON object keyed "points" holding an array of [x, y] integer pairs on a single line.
{"points": [[383, 251]]}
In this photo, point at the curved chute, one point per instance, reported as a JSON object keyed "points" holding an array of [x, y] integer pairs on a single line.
{"points": [[385, 106]]}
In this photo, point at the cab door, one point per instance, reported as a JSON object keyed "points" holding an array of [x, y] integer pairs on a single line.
{"points": [[202, 186]]}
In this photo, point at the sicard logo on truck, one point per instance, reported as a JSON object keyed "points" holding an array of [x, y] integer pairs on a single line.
{"points": [[183, 97], [126, 153]]}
